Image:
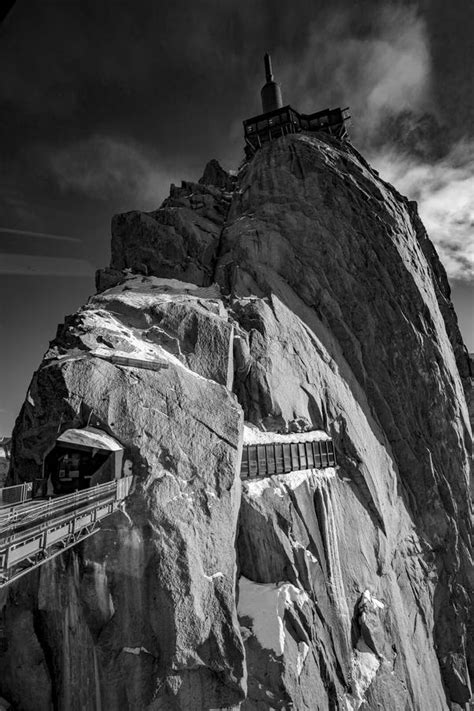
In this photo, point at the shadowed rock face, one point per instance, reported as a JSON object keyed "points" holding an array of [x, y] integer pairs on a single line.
{"points": [[180, 240], [352, 584]]}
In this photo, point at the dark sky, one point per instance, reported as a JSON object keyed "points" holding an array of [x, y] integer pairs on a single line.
{"points": [[103, 103]]}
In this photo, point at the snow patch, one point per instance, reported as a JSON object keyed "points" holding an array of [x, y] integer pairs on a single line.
{"points": [[303, 650], [214, 575], [265, 604], [309, 555], [144, 353], [256, 487], [299, 546], [365, 665], [142, 283], [252, 435], [369, 600], [136, 347], [135, 650], [144, 291], [279, 484], [296, 478]]}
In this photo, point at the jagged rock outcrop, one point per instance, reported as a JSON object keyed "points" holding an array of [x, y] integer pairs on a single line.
{"points": [[333, 314], [180, 240]]}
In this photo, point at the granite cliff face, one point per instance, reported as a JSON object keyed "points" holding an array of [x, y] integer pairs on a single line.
{"points": [[301, 294]]}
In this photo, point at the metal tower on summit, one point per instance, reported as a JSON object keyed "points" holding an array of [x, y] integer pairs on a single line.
{"points": [[271, 91], [278, 120]]}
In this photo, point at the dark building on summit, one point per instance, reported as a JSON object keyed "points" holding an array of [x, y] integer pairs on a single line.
{"points": [[278, 120]]}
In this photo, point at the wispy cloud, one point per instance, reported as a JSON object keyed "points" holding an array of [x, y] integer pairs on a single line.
{"points": [[103, 167], [445, 194], [385, 75], [383, 71], [33, 265], [43, 235]]}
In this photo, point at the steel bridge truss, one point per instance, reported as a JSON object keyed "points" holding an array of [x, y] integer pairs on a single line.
{"points": [[34, 532]]}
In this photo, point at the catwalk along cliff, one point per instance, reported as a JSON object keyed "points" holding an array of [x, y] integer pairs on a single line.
{"points": [[297, 301]]}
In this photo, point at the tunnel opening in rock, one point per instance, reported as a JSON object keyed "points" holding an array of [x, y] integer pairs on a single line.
{"points": [[79, 459]]}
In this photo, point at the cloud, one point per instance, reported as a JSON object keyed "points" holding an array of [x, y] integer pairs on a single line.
{"points": [[444, 191], [103, 168], [43, 235], [385, 74], [383, 70], [33, 265]]}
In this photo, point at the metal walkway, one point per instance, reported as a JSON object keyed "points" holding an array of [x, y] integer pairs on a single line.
{"points": [[284, 457], [35, 531]]}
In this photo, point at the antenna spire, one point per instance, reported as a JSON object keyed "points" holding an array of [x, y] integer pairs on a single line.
{"points": [[271, 92], [268, 67]]}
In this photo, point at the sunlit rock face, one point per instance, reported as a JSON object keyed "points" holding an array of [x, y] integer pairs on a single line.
{"points": [[354, 330], [143, 614], [301, 295]]}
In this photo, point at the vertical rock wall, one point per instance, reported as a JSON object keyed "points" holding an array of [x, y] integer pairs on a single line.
{"points": [[354, 330], [353, 585]]}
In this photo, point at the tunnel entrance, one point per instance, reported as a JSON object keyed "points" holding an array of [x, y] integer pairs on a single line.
{"points": [[79, 458]]}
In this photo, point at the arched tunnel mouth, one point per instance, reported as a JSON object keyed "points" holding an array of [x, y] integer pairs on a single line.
{"points": [[80, 458]]}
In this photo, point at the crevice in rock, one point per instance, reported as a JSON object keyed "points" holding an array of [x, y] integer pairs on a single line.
{"points": [[54, 674]]}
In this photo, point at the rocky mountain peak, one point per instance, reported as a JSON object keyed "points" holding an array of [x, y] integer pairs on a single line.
{"points": [[298, 300], [215, 175]]}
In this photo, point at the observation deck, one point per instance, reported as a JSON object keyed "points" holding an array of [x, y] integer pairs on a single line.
{"points": [[278, 120], [265, 128]]}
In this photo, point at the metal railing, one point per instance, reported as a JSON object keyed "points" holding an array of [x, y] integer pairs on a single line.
{"points": [[267, 127], [43, 509], [10, 495], [31, 534]]}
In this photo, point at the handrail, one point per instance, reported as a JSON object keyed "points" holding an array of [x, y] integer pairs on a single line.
{"points": [[46, 511], [15, 494], [282, 121], [33, 531], [45, 531], [40, 506]]}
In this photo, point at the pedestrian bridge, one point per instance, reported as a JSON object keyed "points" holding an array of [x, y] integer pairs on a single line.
{"points": [[280, 457], [32, 531]]}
